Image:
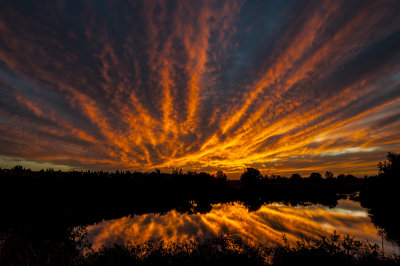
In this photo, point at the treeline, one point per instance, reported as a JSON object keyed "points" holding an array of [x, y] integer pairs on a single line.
{"points": [[84, 197], [78, 198]]}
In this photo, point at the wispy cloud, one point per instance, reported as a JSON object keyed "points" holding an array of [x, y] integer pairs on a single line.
{"points": [[203, 85]]}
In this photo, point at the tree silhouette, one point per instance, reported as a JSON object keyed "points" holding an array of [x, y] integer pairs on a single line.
{"points": [[315, 177], [296, 177], [156, 171], [328, 175], [221, 176], [177, 171], [250, 177], [18, 168], [390, 167]]}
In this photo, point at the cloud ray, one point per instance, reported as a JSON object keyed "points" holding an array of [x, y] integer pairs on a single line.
{"points": [[204, 86]]}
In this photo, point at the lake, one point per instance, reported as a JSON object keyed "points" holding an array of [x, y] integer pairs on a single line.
{"points": [[266, 225]]}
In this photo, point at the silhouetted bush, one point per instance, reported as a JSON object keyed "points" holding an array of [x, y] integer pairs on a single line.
{"points": [[43, 245], [219, 250], [333, 249]]}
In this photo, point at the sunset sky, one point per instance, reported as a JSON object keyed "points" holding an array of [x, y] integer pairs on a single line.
{"points": [[282, 86]]}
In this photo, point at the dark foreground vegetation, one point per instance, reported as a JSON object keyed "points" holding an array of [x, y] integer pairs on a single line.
{"points": [[41, 211], [229, 250], [334, 249]]}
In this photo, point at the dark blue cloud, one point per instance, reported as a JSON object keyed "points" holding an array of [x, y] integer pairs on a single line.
{"points": [[202, 85]]}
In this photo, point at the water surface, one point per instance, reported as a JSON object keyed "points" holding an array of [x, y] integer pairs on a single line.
{"points": [[266, 225]]}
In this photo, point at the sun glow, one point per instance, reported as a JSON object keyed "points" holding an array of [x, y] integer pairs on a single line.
{"points": [[202, 86]]}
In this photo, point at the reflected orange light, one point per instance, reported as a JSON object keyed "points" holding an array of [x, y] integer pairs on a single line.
{"points": [[267, 225]]}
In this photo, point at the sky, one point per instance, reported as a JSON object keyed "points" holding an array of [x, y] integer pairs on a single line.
{"points": [[282, 86]]}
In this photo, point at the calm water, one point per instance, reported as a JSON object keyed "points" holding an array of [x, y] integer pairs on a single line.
{"points": [[267, 225]]}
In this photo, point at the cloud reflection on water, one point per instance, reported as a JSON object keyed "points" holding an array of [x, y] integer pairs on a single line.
{"points": [[267, 225]]}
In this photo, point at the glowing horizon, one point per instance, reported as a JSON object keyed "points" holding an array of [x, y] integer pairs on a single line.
{"points": [[284, 87]]}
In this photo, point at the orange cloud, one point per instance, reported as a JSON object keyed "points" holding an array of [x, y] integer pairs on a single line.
{"points": [[204, 86]]}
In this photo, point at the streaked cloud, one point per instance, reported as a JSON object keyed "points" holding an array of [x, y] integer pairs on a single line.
{"points": [[204, 85]]}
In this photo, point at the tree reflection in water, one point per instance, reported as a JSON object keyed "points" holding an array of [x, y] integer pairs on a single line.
{"points": [[265, 225]]}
